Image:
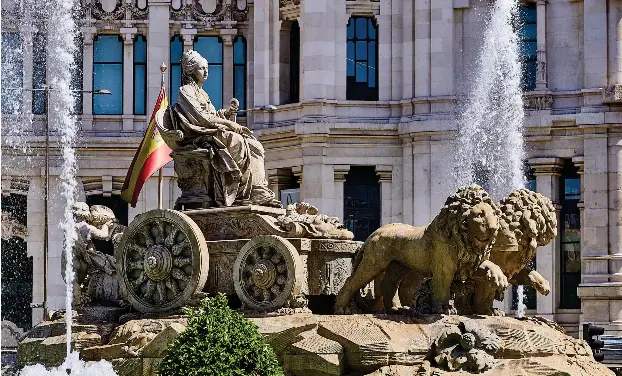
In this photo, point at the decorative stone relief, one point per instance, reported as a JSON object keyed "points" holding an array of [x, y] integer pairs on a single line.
{"points": [[12, 227], [612, 94], [212, 11], [536, 101], [111, 10]]}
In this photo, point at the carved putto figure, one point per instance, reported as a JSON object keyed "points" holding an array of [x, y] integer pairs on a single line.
{"points": [[218, 161], [304, 218], [454, 246], [94, 271]]}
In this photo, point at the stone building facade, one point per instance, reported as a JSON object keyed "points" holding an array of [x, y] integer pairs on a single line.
{"points": [[367, 94]]}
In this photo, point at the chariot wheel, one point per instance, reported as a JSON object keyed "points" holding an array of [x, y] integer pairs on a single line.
{"points": [[267, 272], [162, 261]]}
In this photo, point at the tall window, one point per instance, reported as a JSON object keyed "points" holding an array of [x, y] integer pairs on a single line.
{"points": [[294, 63], [528, 44], [108, 74], [39, 59], [140, 75], [12, 68], [239, 71], [362, 56], [361, 205], [211, 49], [177, 48], [76, 73], [570, 234]]}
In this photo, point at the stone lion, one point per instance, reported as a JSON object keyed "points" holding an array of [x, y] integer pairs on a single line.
{"points": [[528, 220], [453, 246]]}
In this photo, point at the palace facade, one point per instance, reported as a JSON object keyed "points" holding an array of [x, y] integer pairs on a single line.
{"points": [[366, 94]]}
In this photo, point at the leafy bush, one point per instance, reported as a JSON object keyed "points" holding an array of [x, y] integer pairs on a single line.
{"points": [[221, 342]]}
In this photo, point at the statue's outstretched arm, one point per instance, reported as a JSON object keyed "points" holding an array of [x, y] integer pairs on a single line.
{"points": [[102, 233]]}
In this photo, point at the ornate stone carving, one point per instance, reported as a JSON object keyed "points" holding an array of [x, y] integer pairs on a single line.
{"points": [[223, 10], [12, 227], [163, 261], [95, 272], [538, 101], [120, 10], [454, 245], [612, 94], [303, 218]]}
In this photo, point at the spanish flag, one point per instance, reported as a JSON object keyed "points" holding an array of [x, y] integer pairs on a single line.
{"points": [[152, 154]]}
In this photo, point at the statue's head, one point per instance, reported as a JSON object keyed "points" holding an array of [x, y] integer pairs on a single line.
{"points": [[81, 212], [193, 68], [102, 214]]}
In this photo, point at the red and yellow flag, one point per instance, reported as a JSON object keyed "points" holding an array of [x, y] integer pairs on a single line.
{"points": [[152, 154]]}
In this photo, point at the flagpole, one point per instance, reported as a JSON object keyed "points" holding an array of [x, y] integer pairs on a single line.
{"points": [[160, 172]]}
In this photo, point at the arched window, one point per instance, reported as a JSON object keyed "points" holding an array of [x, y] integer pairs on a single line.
{"points": [[177, 48], [12, 68], [528, 44], [140, 74], [239, 71], [39, 65], [211, 49], [108, 74], [570, 236], [362, 57]]}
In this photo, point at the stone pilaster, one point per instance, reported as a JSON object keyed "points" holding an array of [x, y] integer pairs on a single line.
{"points": [[187, 36], [547, 172], [387, 61], [541, 75], [340, 172], [407, 180], [385, 175], [408, 68], [27, 64], [595, 43], [35, 247], [227, 36], [422, 51], [421, 181], [261, 52], [158, 49], [128, 34], [275, 52], [441, 52], [88, 34]]}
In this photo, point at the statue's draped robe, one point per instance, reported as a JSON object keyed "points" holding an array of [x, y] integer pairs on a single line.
{"points": [[237, 161]]}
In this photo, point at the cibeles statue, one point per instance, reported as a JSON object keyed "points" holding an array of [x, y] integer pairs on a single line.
{"points": [[218, 161], [95, 275]]}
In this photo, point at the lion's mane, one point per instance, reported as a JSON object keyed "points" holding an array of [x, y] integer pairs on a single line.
{"points": [[531, 217], [451, 224]]}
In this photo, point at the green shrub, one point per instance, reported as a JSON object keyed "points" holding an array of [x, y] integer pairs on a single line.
{"points": [[221, 342]]}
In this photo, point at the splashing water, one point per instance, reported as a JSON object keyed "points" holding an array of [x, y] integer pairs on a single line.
{"points": [[490, 133], [61, 47], [73, 363], [520, 311]]}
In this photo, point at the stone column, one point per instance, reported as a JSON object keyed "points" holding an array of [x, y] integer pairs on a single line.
{"points": [[541, 76], [34, 246], [318, 186], [261, 52], [385, 174], [128, 77], [619, 52], [407, 181], [595, 43], [187, 36], [275, 52], [340, 177], [422, 53], [278, 178], [227, 66], [407, 50], [441, 50], [547, 172], [611, 291], [158, 48], [421, 181], [87, 78], [386, 60]]}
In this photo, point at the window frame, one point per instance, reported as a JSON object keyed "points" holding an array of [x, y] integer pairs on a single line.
{"points": [[17, 80], [244, 65], [210, 64], [39, 47], [93, 95], [568, 206], [354, 90], [294, 62], [173, 93], [521, 23], [134, 66]]}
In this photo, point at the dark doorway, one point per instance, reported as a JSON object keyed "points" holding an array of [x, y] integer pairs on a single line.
{"points": [[119, 207], [361, 204], [16, 268]]}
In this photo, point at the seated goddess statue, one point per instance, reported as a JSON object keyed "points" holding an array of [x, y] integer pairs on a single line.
{"points": [[231, 154]]}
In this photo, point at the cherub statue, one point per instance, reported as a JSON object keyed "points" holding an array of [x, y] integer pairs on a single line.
{"points": [[94, 270]]}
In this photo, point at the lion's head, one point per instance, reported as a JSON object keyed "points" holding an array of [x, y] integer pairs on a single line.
{"points": [[530, 218], [469, 219]]}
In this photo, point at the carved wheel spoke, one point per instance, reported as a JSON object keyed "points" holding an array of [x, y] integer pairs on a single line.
{"points": [[267, 271], [163, 260]]}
